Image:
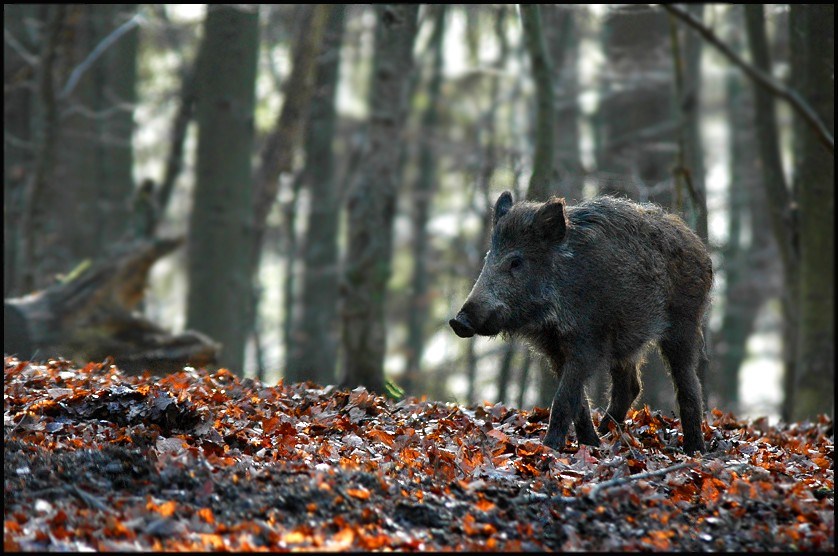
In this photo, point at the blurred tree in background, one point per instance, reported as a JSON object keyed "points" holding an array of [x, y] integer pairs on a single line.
{"points": [[71, 91], [314, 347], [333, 167]]}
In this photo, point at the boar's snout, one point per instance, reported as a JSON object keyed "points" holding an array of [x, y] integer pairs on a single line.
{"points": [[476, 318], [461, 325]]}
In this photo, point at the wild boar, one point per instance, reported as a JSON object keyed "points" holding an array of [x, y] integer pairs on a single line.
{"points": [[591, 286]]}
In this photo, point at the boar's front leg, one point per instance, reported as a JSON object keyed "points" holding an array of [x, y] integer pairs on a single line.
{"points": [[570, 403]]}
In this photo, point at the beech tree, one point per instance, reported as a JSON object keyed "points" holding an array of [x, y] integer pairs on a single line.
{"points": [[422, 198], [372, 200], [220, 224], [314, 342], [812, 30]]}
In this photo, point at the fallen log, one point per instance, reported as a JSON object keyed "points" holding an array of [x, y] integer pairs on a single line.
{"points": [[90, 315]]}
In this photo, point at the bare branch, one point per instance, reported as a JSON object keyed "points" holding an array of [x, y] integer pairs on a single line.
{"points": [[790, 95], [637, 477], [97, 52], [27, 56]]}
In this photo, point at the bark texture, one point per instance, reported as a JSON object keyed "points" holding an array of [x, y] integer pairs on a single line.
{"points": [[372, 200], [220, 225], [313, 353], [812, 29]]}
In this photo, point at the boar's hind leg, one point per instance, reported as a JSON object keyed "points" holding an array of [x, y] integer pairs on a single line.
{"points": [[625, 387], [585, 432], [570, 404], [681, 346]]}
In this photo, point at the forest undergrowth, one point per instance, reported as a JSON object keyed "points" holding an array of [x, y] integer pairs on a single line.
{"points": [[197, 460]]}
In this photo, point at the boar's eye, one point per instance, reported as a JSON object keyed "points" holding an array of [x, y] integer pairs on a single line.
{"points": [[515, 263]]}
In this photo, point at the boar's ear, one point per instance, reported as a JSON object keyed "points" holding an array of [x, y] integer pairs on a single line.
{"points": [[551, 220], [502, 206]]}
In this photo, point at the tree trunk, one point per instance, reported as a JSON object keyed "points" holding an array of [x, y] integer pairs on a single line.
{"points": [[780, 199], [746, 265], [313, 355], [277, 156], [422, 196], [19, 106], [543, 176], [812, 29], [34, 262], [278, 153], [220, 223], [290, 299], [372, 200], [94, 152], [562, 35], [690, 159], [636, 133]]}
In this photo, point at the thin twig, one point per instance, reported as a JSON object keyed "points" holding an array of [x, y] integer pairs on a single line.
{"points": [[766, 81], [637, 477], [89, 499]]}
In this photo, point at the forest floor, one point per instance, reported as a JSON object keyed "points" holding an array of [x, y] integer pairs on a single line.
{"points": [[95, 459]]}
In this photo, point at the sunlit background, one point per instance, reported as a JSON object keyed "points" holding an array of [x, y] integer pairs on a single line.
{"points": [[760, 378], [621, 126]]}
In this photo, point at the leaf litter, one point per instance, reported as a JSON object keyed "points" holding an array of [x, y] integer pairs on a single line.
{"points": [[195, 461]]}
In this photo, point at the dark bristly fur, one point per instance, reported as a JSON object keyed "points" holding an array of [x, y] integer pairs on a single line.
{"points": [[591, 286]]}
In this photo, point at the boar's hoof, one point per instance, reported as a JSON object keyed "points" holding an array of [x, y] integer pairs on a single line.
{"points": [[590, 438], [695, 446], [462, 326], [555, 441]]}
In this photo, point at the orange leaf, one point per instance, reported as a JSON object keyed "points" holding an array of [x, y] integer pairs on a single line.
{"points": [[343, 539], [498, 435], [215, 542], [382, 436], [294, 537], [472, 528], [206, 515], [823, 463], [167, 509], [360, 493], [374, 542], [709, 491], [484, 505]]}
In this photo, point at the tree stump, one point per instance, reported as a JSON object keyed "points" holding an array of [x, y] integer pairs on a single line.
{"points": [[89, 316]]}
